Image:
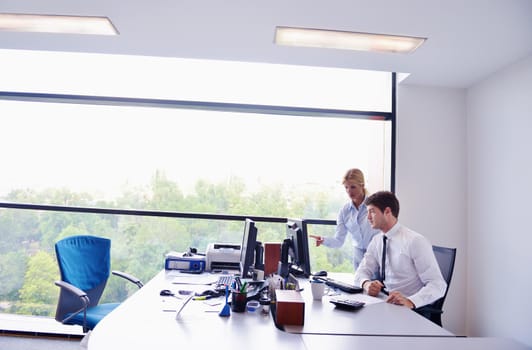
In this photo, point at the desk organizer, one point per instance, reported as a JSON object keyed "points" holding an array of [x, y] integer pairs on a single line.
{"points": [[290, 307]]}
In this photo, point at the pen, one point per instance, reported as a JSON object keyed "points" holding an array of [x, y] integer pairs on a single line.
{"points": [[384, 290], [243, 288]]}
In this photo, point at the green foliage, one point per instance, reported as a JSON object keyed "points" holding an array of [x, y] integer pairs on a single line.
{"points": [[38, 292], [165, 194], [17, 227], [12, 269]]}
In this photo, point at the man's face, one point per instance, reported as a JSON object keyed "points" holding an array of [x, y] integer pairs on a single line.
{"points": [[375, 217]]}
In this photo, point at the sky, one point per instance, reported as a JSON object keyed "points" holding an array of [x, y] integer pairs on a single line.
{"points": [[101, 148]]}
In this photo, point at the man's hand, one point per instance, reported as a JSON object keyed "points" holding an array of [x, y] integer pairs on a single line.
{"points": [[397, 298], [319, 239], [372, 287]]}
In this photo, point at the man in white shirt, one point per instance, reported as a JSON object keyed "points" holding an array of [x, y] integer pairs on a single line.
{"points": [[412, 276]]}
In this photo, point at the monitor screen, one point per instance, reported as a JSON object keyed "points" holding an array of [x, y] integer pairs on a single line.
{"points": [[247, 253], [296, 231]]}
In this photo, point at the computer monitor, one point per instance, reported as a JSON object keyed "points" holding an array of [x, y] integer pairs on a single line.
{"points": [[296, 232], [247, 252]]}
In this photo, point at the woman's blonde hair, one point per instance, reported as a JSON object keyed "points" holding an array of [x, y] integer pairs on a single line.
{"points": [[357, 176]]}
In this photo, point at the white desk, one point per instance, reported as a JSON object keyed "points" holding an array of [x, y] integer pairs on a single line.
{"points": [[341, 342], [321, 317], [140, 323]]}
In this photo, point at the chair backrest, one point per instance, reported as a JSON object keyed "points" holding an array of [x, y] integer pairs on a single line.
{"points": [[85, 262], [445, 257]]}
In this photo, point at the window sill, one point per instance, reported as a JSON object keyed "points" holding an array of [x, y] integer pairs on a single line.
{"points": [[37, 326]]}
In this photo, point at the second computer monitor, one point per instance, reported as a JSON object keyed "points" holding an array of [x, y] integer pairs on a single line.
{"points": [[296, 231], [247, 253]]}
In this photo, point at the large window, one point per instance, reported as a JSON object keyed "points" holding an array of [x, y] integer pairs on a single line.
{"points": [[102, 153], [261, 159]]}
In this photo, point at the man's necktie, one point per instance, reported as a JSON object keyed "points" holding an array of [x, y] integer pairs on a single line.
{"points": [[383, 264]]}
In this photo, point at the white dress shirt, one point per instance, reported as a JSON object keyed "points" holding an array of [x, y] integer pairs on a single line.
{"points": [[411, 267], [355, 222]]}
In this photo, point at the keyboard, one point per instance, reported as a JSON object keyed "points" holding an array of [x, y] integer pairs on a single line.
{"points": [[347, 304], [343, 286], [225, 280]]}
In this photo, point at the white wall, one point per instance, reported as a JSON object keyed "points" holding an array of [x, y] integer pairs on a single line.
{"points": [[479, 203], [431, 179], [499, 137]]}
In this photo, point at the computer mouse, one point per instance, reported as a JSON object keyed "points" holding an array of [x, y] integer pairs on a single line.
{"points": [[321, 273]]}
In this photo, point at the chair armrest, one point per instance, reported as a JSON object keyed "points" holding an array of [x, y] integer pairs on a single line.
{"points": [[429, 308], [128, 277], [72, 289], [83, 297]]}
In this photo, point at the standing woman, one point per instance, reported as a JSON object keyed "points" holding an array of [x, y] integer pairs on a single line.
{"points": [[352, 218]]}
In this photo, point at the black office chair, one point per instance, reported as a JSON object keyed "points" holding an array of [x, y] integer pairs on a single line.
{"points": [[85, 264], [445, 257]]}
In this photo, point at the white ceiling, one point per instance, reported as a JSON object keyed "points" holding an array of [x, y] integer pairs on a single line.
{"points": [[467, 39]]}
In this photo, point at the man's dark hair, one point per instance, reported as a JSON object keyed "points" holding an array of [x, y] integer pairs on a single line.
{"points": [[383, 200]]}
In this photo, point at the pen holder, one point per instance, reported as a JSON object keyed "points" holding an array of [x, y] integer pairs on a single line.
{"points": [[238, 301]]}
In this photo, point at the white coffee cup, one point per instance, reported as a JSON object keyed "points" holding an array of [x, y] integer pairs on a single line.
{"points": [[318, 289]]}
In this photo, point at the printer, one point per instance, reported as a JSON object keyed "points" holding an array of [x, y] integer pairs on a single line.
{"points": [[222, 256]]}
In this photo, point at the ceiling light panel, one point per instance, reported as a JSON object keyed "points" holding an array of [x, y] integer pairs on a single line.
{"points": [[334, 39], [56, 24]]}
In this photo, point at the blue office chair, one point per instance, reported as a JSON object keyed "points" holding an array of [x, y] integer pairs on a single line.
{"points": [[445, 257], [84, 264]]}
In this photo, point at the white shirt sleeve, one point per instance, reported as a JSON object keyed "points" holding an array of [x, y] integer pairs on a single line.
{"points": [[428, 270], [369, 266], [341, 232]]}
